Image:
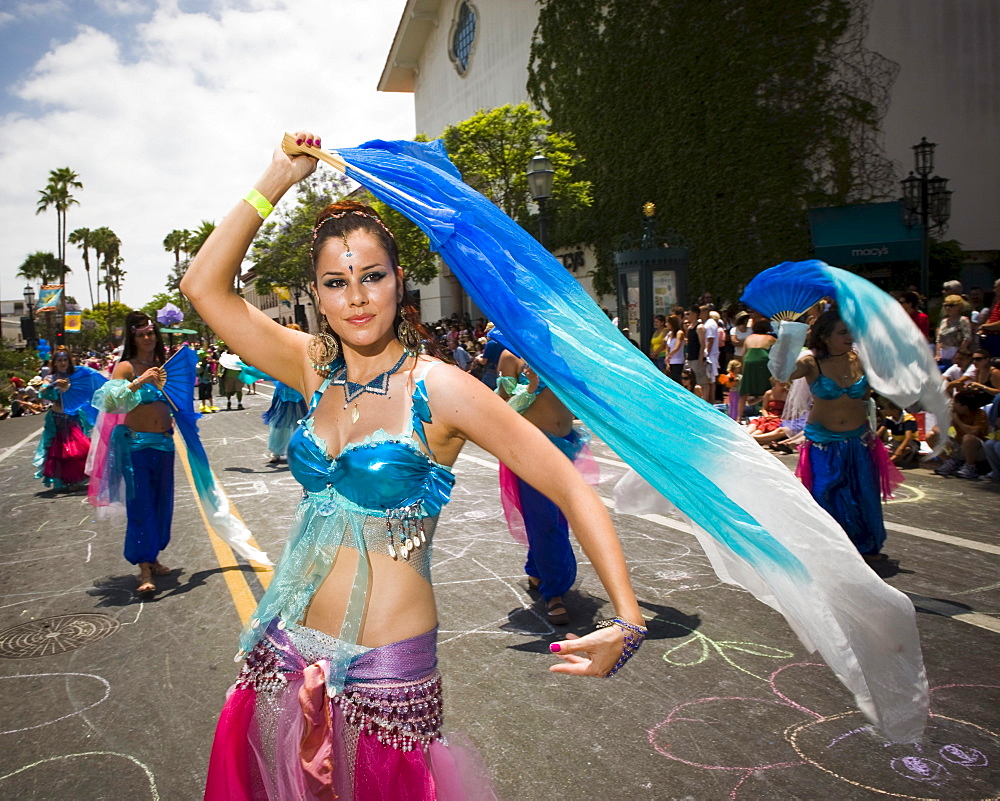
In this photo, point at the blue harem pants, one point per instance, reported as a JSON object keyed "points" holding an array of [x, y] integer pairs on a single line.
{"points": [[150, 503], [550, 555], [847, 484]]}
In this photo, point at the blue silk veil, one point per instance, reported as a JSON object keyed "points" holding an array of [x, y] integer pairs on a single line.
{"points": [[766, 535]]}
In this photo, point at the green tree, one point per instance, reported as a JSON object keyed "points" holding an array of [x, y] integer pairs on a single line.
{"points": [[280, 253], [103, 317], [492, 149], [106, 245], [40, 266], [734, 117], [81, 238], [197, 237], [57, 195]]}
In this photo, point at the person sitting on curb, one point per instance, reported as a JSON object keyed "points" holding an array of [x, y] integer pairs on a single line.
{"points": [[971, 429], [898, 430]]}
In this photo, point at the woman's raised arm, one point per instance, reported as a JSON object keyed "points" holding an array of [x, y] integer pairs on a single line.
{"points": [[209, 281]]}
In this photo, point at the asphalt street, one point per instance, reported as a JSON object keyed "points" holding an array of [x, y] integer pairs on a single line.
{"points": [[106, 695]]}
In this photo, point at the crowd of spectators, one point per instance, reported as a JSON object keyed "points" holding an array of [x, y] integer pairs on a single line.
{"points": [[721, 356]]}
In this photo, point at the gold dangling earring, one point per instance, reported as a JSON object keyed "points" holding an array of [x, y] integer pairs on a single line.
{"points": [[408, 335], [322, 349]]}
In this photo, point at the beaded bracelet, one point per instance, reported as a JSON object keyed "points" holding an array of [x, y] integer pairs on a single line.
{"points": [[260, 203], [634, 637]]}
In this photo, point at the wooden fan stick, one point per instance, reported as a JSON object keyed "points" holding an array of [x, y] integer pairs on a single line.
{"points": [[292, 148]]}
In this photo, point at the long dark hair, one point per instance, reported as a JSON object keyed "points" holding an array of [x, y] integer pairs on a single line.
{"points": [[135, 320], [821, 329], [347, 216], [69, 358]]}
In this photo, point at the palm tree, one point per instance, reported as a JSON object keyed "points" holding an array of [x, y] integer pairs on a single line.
{"points": [[57, 195], [39, 266], [176, 242], [82, 238], [106, 244], [199, 236]]}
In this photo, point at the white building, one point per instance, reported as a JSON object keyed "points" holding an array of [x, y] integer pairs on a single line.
{"points": [[278, 309], [458, 56]]}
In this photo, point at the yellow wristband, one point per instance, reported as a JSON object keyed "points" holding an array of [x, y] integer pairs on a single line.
{"points": [[260, 203]]}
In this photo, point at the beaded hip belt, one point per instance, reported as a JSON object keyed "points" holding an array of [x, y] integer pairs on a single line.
{"points": [[401, 714]]}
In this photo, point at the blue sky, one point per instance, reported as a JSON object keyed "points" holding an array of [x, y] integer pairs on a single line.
{"points": [[168, 110]]}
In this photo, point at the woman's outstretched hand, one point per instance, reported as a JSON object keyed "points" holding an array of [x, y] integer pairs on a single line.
{"points": [[594, 654]]}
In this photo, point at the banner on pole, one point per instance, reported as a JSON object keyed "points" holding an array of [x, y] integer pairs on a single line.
{"points": [[49, 296], [72, 322]]}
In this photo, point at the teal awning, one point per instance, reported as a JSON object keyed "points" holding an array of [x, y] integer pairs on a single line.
{"points": [[873, 232]]}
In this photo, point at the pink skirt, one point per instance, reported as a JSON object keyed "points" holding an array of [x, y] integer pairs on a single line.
{"points": [[281, 736], [66, 457]]}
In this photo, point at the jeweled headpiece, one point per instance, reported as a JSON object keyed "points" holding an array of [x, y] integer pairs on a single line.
{"points": [[341, 214], [143, 328]]}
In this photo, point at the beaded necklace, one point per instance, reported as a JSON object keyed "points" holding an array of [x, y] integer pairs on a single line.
{"points": [[379, 385]]}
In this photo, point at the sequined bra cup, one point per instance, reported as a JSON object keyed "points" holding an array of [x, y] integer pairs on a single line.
{"points": [[825, 388], [380, 495]]}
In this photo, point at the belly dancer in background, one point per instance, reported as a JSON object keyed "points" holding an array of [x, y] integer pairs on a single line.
{"points": [[532, 518], [843, 464], [61, 456], [145, 442]]}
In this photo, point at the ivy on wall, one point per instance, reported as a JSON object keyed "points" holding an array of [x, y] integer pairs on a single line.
{"points": [[733, 116]]}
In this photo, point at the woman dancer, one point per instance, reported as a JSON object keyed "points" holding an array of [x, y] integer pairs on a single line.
{"points": [[347, 627], [145, 440], [62, 452], [845, 467], [533, 519]]}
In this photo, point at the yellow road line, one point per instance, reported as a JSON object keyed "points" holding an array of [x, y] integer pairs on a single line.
{"points": [[239, 589]]}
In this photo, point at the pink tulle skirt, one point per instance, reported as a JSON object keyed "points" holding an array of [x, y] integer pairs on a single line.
{"points": [[66, 456], [282, 737]]}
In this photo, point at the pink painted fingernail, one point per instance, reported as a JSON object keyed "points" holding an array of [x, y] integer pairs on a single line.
{"points": [[309, 141], [298, 141], [555, 648]]}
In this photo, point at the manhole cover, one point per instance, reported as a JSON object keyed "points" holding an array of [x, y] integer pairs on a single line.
{"points": [[53, 635]]}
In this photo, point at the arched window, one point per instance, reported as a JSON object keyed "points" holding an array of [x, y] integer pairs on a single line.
{"points": [[463, 36]]}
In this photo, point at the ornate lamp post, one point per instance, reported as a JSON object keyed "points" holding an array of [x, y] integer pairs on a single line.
{"points": [[926, 202], [29, 302], [540, 175]]}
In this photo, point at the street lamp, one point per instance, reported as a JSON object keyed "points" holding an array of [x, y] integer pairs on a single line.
{"points": [[540, 175], [29, 302], [926, 202]]}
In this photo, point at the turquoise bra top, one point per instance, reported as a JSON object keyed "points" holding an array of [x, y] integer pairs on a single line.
{"points": [[825, 388], [150, 393], [383, 474]]}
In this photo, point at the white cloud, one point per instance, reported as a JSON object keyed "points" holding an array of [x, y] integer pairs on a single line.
{"points": [[123, 8], [174, 126], [40, 9]]}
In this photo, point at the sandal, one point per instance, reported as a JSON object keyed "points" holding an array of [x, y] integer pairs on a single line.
{"points": [[872, 558], [146, 585], [557, 614], [533, 585]]}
